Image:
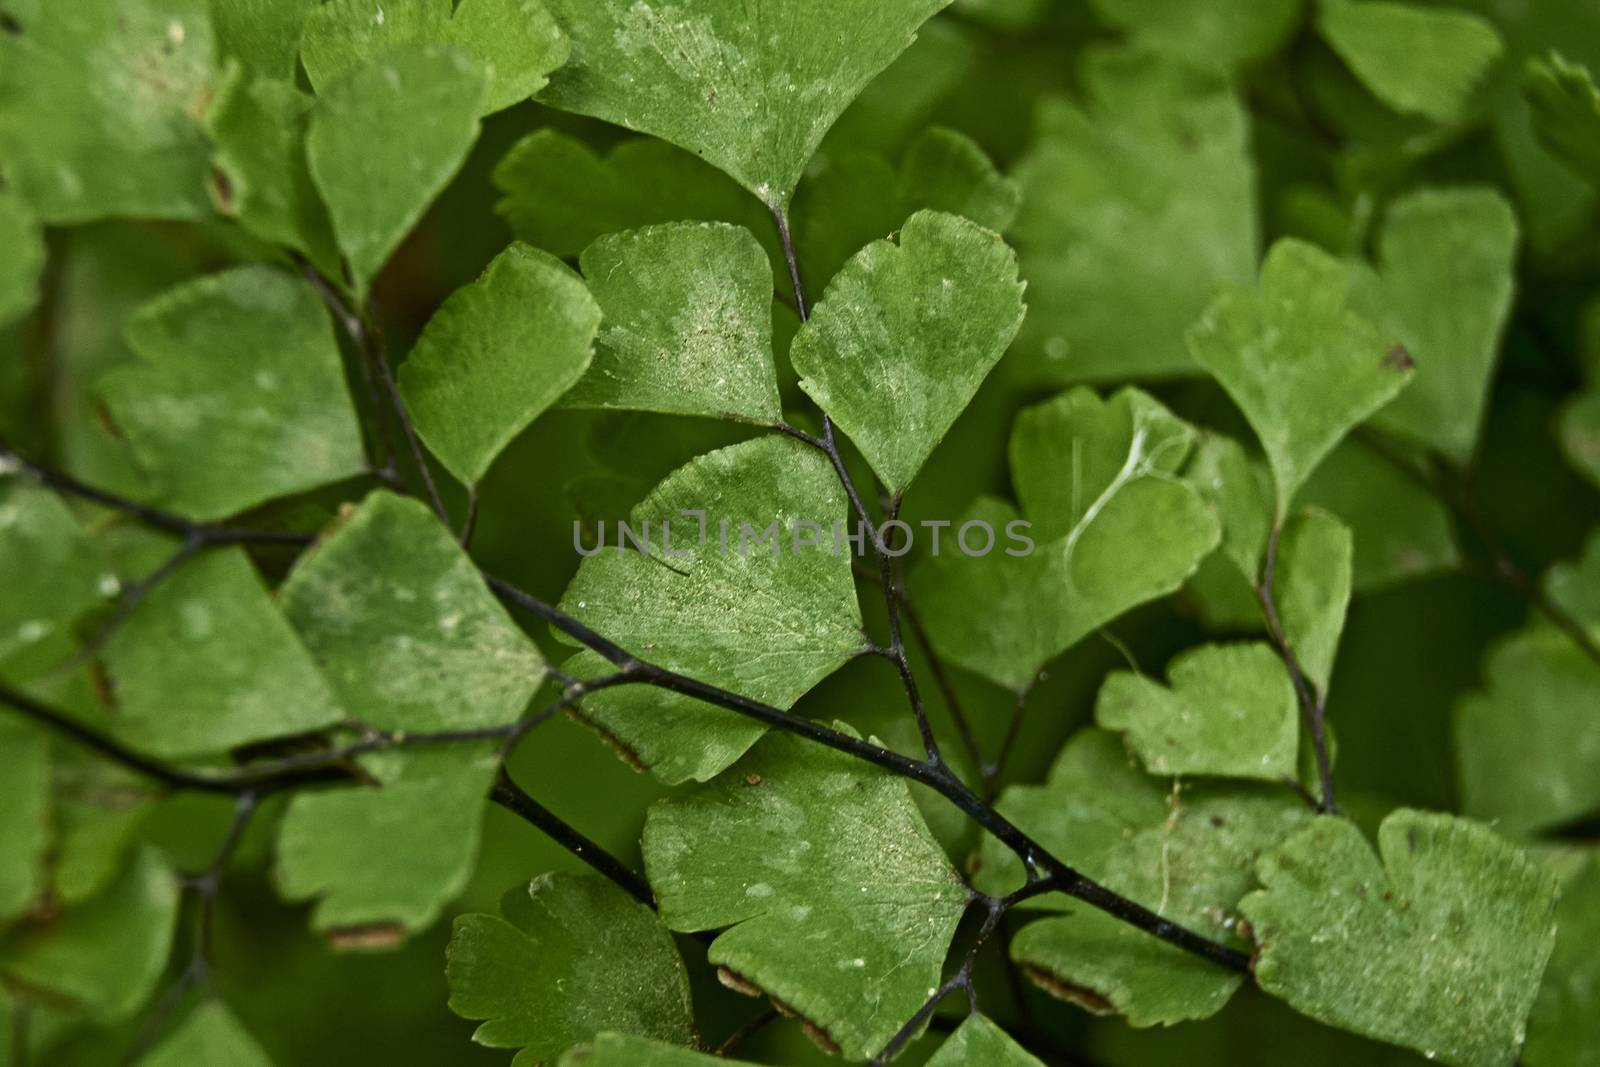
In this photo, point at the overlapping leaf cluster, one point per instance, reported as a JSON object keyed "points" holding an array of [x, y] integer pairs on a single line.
{"points": [[1207, 312]]}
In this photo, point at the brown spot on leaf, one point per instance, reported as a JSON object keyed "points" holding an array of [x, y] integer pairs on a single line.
{"points": [[1398, 358], [368, 937], [1084, 997], [221, 191], [752, 779], [738, 982]]}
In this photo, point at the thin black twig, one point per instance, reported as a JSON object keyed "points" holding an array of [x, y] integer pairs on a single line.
{"points": [[993, 769], [748, 1029], [1312, 706], [513, 798]]}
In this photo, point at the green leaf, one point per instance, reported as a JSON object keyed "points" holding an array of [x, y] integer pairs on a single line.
{"points": [[567, 957], [561, 196], [244, 675], [1119, 530], [258, 127], [403, 627], [1219, 34], [1239, 487], [382, 863], [240, 396], [620, 1050], [1525, 749], [19, 272], [1402, 529], [476, 379], [105, 957], [116, 134], [945, 170], [753, 97], [1230, 712], [688, 323], [1070, 455], [1312, 589], [841, 904], [1566, 112], [96, 808], [1564, 1026], [852, 199], [25, 821], [209, 1035], [1137, 205], [906, 334], [263, 35], [1303, 367], [516, 41], [1417, 59], [386, 139], [49, 568], [1447, 258], [1438, 948], [1186, 854], [1579, 429], [766, 618], [980, 1043]]}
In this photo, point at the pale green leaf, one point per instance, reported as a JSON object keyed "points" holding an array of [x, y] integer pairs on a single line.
{"points": [[905, 335], [1114, 529], [240, 396], [343, 36], [263, 35], [1579, 428], [105, 957], [621, 1050], [386, 139], [1230, 711], [1298, 361], [1186, 854], [1446, 260], [20, 235], [1438, 948], [1566, 112], [403, 627], [25, 817], [945, 170], [211, 1036], [49, 568], [496, 355], [1239, 487], [258, 129], [568, 956], [1418, 59], [1564, 1026], [752, 96], [1071, 454], [117, 134], [1136, 206], [755, 600], [841, 904], [1401, 530], [688, 323], [980, 1043], [1526, 747], [517, 41], [243, 676], [560, 195], [1312, 589], [1221, 34], [96, 808], [383, 862]]}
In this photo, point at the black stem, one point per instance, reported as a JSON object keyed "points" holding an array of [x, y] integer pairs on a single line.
{"points": [[1312, 704], [513, 798]]}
